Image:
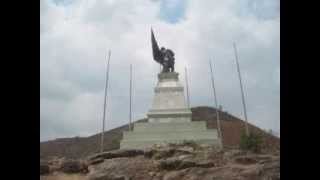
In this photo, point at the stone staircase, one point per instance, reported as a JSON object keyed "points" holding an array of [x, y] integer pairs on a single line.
{"points": [[147, 134]]}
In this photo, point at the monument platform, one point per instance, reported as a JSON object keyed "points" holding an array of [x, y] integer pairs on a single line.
{"points": [[149, 133], [169, 119]]}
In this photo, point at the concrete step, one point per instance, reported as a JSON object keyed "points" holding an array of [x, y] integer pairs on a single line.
{"points": [[143, 144], [170, 135], [172, 126]]}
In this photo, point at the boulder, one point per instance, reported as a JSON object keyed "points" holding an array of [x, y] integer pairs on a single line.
{"points": [[185, 157], [95, 161], [73, 166], [166, 153], [117, 154], [175, 164], [149, 153], [163, 154], [245, 160]]}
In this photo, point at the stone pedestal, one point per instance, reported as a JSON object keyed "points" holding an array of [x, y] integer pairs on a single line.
{"points": [[169, 102], [169, 119]]}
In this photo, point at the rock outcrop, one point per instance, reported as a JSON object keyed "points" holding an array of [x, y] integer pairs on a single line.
{"points": [[172, 162]]}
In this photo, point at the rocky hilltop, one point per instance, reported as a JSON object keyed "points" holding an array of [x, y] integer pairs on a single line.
{"points": [[167, 162]]}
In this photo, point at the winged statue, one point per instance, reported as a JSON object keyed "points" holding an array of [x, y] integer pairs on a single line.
{"points": [[163, 56]]}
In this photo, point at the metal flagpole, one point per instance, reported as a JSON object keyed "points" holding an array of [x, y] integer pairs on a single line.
{"points": [[216, 104], [105, 103], [130, 103], [242, 93], [187, 86]]}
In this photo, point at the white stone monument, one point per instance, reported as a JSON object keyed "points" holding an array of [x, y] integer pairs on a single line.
{"points": [[169, 119]]}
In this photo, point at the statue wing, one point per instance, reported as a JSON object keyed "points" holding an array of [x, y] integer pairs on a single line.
{"points": [[157, 56]]}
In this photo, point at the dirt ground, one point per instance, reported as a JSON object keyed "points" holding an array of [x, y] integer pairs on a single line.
{"points": [[62, 176]]}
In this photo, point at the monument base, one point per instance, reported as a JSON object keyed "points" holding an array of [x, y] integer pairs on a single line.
{"points": [[169, 119], [150, 133]]}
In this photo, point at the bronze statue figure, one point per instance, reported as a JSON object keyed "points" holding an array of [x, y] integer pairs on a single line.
{"points": [[163, 56]]}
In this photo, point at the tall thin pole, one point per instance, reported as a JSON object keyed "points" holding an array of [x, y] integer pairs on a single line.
{"points": [[242, 93], [216, 104], [105, 103], [187, 86], [130, 103]]}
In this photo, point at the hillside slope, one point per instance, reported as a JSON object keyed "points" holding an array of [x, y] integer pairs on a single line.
{"points": [[80, 147]]}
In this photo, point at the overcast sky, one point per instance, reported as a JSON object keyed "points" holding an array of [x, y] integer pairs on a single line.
{"points": [[76, 34]]}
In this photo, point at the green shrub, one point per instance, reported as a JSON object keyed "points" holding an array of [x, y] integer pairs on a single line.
{"points": [[252, 142]]}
